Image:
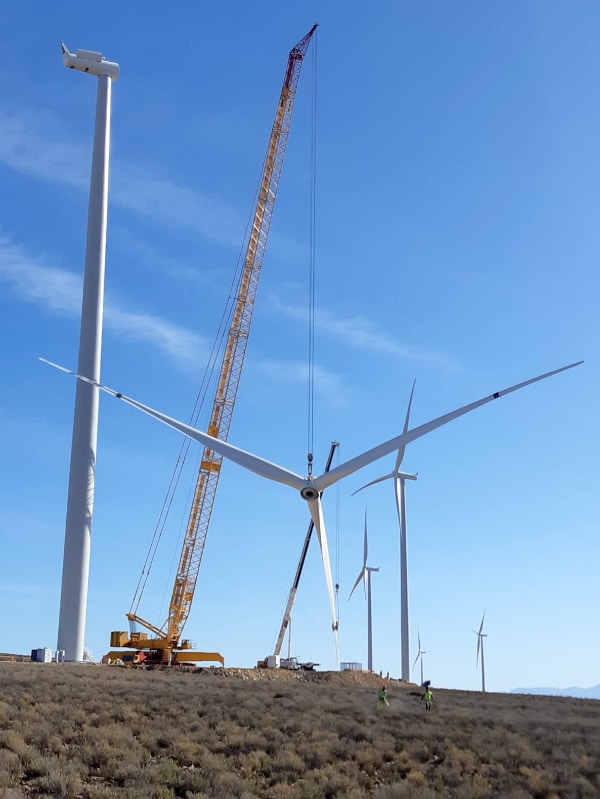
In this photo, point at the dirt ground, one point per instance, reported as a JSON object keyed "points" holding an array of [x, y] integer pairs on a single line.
{"points": [[349, 677]]}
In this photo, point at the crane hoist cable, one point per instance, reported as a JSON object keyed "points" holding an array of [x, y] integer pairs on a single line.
{"points": [[337, 544], [312, 263]]}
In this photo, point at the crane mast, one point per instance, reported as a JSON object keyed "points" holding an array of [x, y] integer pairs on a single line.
{"points": [[167, 639]]}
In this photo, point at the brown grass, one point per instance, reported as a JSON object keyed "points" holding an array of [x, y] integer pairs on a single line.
{"points": [[97, 732]]}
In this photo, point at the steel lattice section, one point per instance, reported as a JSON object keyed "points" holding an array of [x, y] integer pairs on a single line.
{"points": [[235, 350]]}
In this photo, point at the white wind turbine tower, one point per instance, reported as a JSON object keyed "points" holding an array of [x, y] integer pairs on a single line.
{"points": [[365, 576], [310, 488], [480, 636], [82, 470], [400, 479], [420, 654]]}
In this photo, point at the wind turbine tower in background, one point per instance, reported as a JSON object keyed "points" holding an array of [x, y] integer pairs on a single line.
{"points": [[480, 636], [400, 479], [82, 472], [420, 654], [365, 576]]}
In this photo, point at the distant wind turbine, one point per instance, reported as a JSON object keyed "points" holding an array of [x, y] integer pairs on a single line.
{"points": [[420, 654], [365, 576], [400, 479], [480, 636], [310, 488]]}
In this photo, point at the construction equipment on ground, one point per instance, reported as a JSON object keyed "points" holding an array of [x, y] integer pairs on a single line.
{"points": [[164, 644], [293, 664], [275, 661]]}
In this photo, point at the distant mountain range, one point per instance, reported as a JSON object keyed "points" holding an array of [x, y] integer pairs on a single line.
{"points": [[578, 693]]}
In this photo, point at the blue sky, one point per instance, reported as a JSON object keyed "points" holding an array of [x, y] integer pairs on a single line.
{"points": [[456, 244]]}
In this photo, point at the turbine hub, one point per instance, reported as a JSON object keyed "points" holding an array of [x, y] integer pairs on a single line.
{"points": [[309, 492]]}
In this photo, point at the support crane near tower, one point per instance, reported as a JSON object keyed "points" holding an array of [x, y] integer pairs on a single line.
{"points": [[165, 645], [274, 661]]}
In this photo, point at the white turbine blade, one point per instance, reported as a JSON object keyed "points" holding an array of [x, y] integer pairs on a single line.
{"points": [[316, 512], [361, 576], [416, 659], [366, 545], [481, 625], [354, 464], [372, 483], [401, 449], [478, 645], [401, 507], [244, 459], [419, 639], [399, 495], [389, 476]]}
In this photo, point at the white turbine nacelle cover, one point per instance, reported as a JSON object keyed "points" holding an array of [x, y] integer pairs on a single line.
{"points": [[89, 61], [89, 55]]}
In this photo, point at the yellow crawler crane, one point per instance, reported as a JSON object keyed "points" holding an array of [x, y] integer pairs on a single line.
{"points": [[165, 645]]}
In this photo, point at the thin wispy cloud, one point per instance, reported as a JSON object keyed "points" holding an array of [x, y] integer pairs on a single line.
{"points": [[20, 588], [188, 273], [359, 333], [328, 385], [37, 144], [31, 143], [161, 199], [59, 291]]}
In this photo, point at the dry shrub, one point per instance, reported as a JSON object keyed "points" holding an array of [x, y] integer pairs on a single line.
{"points": [[14, 742], [330, 782], [255, 762], [226, 785], [538, 781], [283, 790], [462, 759], [369, 756], [289, 764], [314, 758], [10, 769], [34, 764], [475, 787], [162, 792], [588, 766], [416, 777], [101, 733], [404, 790], [188, 752], [166, 772], [62, 780], [45, 740], [585, 788], [212, 763]]}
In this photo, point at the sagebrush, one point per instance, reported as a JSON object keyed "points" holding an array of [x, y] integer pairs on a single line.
{"points": [[98, 732]]}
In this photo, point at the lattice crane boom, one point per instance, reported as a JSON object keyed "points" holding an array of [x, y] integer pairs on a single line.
{"points": [[231, 366]]}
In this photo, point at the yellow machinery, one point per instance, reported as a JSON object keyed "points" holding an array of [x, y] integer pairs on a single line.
{"points": [[164, 645]]}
